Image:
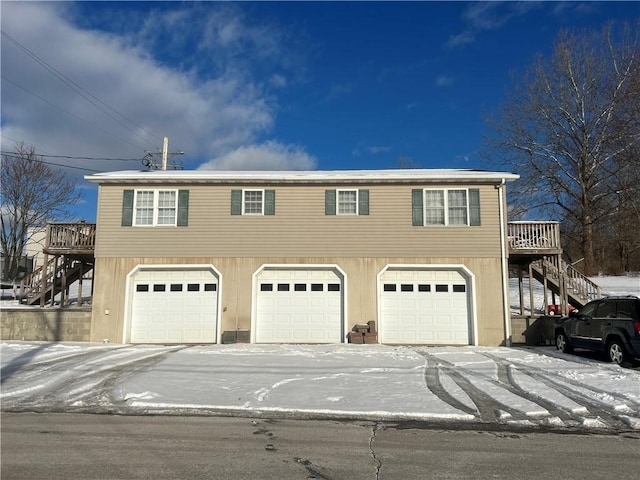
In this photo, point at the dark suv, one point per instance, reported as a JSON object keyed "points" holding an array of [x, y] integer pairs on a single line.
{"points": [[610, 325]]}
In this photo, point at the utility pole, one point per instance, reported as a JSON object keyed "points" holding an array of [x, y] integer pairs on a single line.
{"points": [[165, 152], [151, 163]]}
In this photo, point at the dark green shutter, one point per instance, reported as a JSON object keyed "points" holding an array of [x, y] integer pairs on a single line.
{"points": [[329, 202], [417, 200], [363, 202], [127, 208], [269, 202], [236, 202], [474, 207], [183, 208]]}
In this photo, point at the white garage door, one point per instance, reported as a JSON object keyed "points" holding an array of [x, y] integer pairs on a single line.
{"points": [[424, 307], [174, 306], [299, 306]]}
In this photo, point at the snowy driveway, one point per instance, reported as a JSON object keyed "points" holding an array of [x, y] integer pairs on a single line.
{"points": [[520, 387]]}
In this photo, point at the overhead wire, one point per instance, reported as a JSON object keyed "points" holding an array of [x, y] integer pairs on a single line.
{"points": [[88, 96], [80, 157], [15, 157], [84, 121]]}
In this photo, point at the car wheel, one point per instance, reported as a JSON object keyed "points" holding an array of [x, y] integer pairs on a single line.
{"points": [[616, 352], [562, 343]]}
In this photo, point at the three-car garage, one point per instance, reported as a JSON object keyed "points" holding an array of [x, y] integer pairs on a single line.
{"points": [[424, 304]]}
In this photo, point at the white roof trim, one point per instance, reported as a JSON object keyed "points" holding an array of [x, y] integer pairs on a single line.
{"points": [[228, 176]]}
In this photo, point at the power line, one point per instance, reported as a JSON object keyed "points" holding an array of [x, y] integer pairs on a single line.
{"points": [[17, 157], [84, 121], [81, 91], [80, 158]]}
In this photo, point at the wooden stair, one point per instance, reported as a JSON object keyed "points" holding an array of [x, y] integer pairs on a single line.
{"points": [[56, 279], [561, 277]]}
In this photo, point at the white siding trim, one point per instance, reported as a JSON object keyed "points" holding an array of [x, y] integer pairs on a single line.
{"points": [[128, 298], [462, 269]]}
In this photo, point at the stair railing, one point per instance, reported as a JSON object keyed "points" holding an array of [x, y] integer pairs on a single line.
{"points": [[32, 286], [578, 286]]}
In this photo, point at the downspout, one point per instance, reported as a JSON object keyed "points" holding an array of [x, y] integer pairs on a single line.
{"points": [[505, 267]]}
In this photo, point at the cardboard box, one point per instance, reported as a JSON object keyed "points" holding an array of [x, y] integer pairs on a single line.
{"points": [[355, 337], [370, 337]]}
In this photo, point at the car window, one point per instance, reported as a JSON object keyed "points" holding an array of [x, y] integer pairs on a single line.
{"points": [[605, 310], [625, 309], [588, 309]]}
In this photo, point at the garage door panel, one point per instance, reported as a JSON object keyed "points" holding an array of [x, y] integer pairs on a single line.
{"points": [[298, 306], [424, 307], [174, 306]]}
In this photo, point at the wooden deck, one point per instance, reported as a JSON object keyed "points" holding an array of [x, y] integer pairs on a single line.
{"points": [[534, 238], [68, 257], [70, 239]]}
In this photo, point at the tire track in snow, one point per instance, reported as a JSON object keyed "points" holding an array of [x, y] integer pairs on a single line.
{"points": [[488, 408], [80, 381], [596, 411], [434, 384], [45, 370], [614, 400]]}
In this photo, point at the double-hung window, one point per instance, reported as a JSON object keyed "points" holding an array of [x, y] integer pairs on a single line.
{"points": [[347, 202], [152, 208], [155, 207], [446, 207], [253, 201]]}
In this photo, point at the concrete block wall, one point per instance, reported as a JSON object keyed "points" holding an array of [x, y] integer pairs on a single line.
{"points": [[46, 324], [533, 330]]}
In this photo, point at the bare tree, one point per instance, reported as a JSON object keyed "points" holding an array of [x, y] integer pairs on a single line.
{"points": [[32, 194], [569, 127]]}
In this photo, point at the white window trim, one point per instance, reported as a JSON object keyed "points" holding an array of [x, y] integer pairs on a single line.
{"points": [[244, 212], [156, 196], [446, 207], [357, 212]]}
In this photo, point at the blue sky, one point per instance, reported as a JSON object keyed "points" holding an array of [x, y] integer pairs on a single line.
{"points": [[269, 85]]}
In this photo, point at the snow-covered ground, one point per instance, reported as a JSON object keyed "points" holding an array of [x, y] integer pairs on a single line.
{"points": [[9, 296], [609, 285], [520, 387], [524, 387]]}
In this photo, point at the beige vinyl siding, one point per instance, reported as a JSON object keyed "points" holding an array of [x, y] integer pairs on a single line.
{"points": [[110, 295], [299, 227]]}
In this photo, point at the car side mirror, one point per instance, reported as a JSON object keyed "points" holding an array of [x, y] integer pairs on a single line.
{"points": [[574, 314]]}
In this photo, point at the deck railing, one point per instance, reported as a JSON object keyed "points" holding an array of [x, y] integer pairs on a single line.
{"points": [[534, 235], [71, 236]]}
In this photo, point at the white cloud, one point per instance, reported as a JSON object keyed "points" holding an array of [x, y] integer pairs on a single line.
{"points": [[485, 16], [459, 40], [135, 92], [278, 81], [269, 155], [443, 80]]}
